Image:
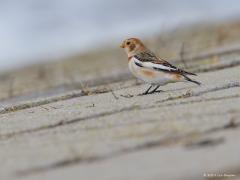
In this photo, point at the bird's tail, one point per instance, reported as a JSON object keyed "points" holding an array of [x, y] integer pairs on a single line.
{"points": [[191, 80]]}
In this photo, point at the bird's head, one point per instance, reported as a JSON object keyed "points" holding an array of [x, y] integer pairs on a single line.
{"points": [[132, 46]]}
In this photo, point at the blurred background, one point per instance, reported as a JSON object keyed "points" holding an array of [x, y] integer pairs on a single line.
{"points": [[34, 31]]}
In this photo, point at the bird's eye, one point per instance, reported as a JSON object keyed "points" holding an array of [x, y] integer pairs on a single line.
{"points": [[128, 43]]}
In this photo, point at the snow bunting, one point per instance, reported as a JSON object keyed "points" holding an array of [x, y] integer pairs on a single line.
{"points": [[146, 66]]}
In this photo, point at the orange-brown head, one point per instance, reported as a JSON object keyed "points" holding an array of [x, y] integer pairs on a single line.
{"points": [[132, 46]]}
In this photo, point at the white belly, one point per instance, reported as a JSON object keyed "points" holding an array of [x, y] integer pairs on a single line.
{"points": [[150, 76]]}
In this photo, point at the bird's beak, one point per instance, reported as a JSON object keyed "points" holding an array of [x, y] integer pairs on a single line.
{"points": [[122, 46]]}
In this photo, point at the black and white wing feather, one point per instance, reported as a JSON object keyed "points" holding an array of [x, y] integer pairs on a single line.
{"points": [[151, 61]]}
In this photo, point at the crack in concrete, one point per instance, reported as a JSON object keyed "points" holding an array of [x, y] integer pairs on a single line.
{"points": [[217, 67], [151, 144], [174, 140], [125, 109], [204, 143], [32, 104], [201, 100], [213, 52], [72, 95], [62, 123]]}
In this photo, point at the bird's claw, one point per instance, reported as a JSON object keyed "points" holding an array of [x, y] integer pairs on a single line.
{"points": [[158, 91], [143, 94]]}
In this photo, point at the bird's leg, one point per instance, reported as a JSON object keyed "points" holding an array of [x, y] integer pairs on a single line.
{"points": [[146, 92], [155, 90]]}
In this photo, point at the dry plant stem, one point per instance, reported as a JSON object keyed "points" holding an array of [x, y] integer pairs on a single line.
{"points": [[182, 53], [114, 95]]}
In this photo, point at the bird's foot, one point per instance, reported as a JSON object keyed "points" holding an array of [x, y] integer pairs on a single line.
{"points": [[158, 91], [152, 92], [143, 94]]}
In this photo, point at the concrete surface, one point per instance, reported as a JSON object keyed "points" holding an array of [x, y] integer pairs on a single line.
{"points": [[105, 131]]}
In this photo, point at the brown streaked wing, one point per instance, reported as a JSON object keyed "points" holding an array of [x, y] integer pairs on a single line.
{"points": [[146, 56]]}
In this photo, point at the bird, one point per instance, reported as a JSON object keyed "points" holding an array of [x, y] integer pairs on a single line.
{"points": [[148, 67]]}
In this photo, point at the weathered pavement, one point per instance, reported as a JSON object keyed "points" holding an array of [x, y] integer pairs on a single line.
{"points": [[107, 132]]}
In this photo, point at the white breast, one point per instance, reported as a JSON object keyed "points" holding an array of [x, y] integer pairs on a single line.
{"points": [[133, 68], [160, 78]]}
